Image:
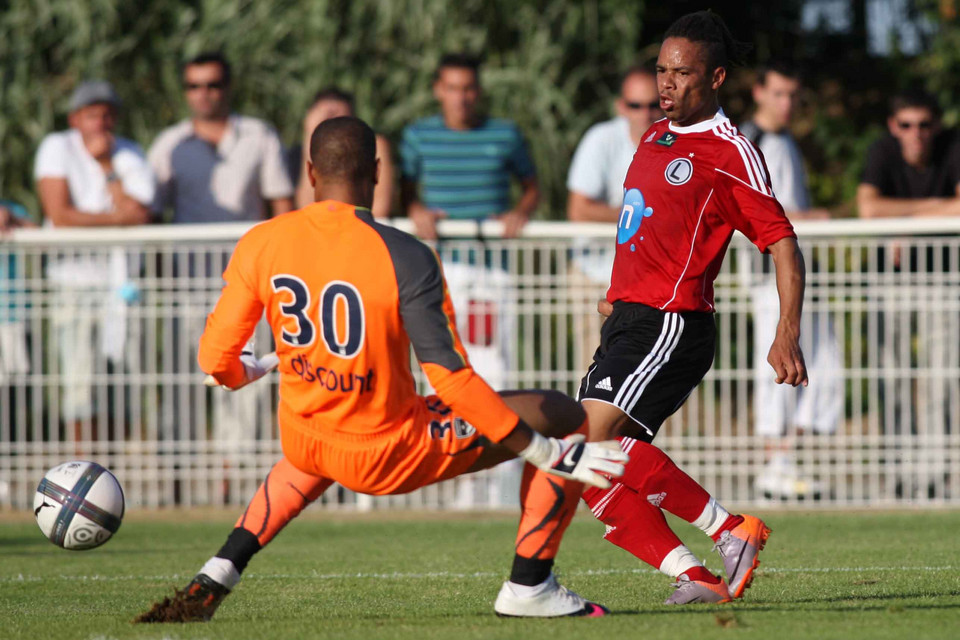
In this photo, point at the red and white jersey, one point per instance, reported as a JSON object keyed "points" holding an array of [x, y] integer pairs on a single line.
{"points": [[687, 190]]}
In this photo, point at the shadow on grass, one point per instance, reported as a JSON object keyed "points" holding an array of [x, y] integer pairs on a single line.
{"points": [[865, 602]]}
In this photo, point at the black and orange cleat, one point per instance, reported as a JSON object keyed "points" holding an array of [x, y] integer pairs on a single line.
{"points": [[196, 603]]}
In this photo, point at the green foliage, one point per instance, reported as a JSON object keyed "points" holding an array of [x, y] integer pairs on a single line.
{"points": [[550, 64]]}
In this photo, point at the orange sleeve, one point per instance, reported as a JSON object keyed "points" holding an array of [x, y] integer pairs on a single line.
{"points": [[471, 397], [428, 318], [232, 322]]}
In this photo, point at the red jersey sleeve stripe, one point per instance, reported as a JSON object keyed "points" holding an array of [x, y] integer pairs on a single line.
{"points": [[752, 169], [752, 151], [750, 158]]}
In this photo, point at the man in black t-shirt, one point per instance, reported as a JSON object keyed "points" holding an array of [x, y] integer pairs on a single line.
{"points": [[914, 171]]}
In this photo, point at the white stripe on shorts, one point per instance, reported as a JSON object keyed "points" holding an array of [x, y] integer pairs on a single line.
{"points": [[636, 382]]}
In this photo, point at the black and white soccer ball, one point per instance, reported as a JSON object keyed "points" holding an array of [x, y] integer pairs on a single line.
{"points": [[78, 505]]}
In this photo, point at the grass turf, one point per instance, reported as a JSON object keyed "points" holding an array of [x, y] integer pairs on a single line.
{"points": [[823, 575]]}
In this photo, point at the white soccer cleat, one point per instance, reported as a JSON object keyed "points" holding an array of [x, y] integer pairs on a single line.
{"points": [[546, 600]]}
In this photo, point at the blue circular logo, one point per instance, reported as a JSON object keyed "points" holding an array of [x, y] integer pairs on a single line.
{"points": [[631, 215]]}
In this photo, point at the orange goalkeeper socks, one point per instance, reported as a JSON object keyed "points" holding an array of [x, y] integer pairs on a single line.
{"points": [[283, 495], [547, 505]]}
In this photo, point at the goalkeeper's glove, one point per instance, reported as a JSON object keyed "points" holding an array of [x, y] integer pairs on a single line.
{"points": [[575, 459], [253, 368]]}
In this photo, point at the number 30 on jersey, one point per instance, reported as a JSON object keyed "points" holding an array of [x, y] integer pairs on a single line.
{"points": [[337, 295]]}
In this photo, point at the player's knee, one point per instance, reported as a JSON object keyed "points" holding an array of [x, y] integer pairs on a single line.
{"points": [[563, 414]]}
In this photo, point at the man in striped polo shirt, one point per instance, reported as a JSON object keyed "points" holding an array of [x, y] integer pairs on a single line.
{"points": [[457, 164]]}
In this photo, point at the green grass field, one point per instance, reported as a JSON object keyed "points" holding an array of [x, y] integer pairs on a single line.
{"points": [[823, 575]]}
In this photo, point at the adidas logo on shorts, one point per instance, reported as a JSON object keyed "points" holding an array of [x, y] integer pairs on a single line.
{"points": [[656, 498], [604, 384]]}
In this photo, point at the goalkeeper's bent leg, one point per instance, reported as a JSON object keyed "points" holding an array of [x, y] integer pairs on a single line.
{"points": [[283, 495]]}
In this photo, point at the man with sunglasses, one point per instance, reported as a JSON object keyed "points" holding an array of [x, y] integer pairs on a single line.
{"points": [[595, 192], [915, 171], [217, 166], [595, 180]]}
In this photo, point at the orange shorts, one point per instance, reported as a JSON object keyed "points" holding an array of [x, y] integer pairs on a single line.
{"points": [[438, 445]]}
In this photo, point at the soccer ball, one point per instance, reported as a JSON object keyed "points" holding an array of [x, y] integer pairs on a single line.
{"points": [[78, 505]]}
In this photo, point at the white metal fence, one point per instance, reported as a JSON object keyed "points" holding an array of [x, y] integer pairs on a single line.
{"points": [[98, 334]]}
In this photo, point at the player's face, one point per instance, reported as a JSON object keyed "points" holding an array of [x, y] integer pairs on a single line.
{"points": [[206, 90], [94, 119], [688, 90], [914, 128], [639, 103], [458, 92], [777, 98]]}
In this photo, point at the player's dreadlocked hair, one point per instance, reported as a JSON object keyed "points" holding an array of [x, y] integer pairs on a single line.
{"points": [[709, 29]]}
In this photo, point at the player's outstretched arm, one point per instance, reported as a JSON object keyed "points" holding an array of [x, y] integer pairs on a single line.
{"points": [[572, 458], [785, 355]]}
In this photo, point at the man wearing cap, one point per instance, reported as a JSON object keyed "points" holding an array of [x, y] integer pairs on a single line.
{"points": [[87, 176]]}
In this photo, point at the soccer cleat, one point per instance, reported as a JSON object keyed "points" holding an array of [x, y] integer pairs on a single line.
{"points": [[196, 603], [549, 600], [740, 548], [691, 591]]}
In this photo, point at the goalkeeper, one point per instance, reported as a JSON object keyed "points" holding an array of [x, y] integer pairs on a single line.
{"points": [[345, 297]]}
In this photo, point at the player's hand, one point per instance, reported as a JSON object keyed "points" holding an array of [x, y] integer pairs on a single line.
{"points": [[425, 221], [786, 358], [592, 463], [604, 308], [513, 222], [254, 368]]}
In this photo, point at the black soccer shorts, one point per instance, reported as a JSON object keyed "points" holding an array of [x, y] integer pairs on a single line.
{"points": [[648, 362]]}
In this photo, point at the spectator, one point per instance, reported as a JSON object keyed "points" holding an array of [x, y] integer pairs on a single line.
{"points": [[333, 103], [217, 166], [458, 164], [595, 184], [14, 360], [915, 171], [600, 163], [86, 176], [780, 411], [462, 161]]}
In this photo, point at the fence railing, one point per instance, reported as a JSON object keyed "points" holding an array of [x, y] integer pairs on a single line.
{"points": [[98, 334]]}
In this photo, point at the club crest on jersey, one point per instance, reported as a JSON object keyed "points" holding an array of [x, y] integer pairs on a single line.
{"points": [[667, 139], [679, 171], [631, 215]]}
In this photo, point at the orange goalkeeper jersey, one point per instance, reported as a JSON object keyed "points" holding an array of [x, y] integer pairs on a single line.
{"points": [[345, 297]]}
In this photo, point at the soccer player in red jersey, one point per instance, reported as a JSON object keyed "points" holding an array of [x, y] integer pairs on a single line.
{"points": [[694, 180], [346, 298]]}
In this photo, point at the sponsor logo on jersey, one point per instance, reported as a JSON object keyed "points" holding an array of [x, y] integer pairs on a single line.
{"points": [[678, 172], [656, 498], [667, 139], [650, 137], [461, 428], [631, 215], [604, 384], [330, 379]]}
